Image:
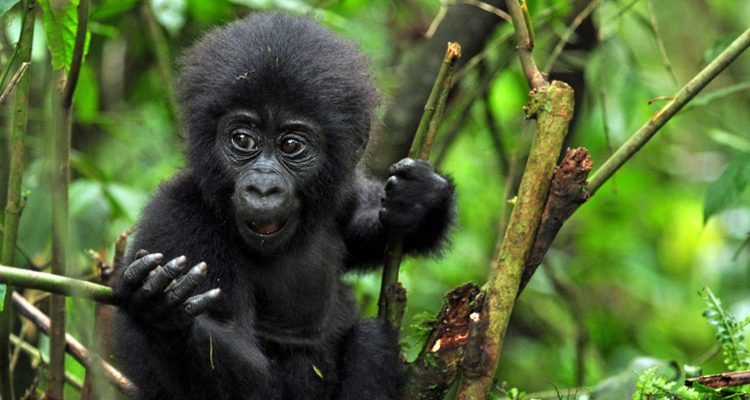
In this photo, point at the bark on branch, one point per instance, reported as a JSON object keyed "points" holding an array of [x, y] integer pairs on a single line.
{"points": [[727, 379], [553, 108], [567, 192], [435, 369]]}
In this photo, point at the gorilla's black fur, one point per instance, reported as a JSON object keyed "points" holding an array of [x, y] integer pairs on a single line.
{"points": [[277, 112]]}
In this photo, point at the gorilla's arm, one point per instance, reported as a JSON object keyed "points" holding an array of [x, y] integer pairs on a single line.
{"points": [[179, 329], [415, 202], [188, 364]]}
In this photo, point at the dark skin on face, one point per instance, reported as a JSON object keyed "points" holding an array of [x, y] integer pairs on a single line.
{"points": [[268, 152]]}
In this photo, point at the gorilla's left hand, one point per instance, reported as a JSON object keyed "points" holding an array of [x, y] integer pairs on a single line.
{"points": [[412, 192]]}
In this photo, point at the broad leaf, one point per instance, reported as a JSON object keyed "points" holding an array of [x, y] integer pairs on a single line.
{"points": [[3, 291], [60, 23], [726, 190], [6, 5]]}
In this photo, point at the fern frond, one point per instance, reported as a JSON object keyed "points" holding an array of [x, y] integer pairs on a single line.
{"points": [[728, 332]]}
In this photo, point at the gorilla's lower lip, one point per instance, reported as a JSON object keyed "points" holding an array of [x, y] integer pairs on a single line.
{"points": [[268, 228]]}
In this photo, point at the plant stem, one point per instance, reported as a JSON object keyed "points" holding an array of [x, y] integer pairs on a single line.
{"points": [[57, 284], [683, 96], [392, 295], [14, 203], [60, 209]]}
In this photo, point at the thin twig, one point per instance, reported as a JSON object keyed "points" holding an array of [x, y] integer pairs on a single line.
{"points": [[681, 98], [73, 346], [36, 353], [525, 46], [163, 57], [14, 81], [621, 11], [654, 24], [486, 7], [603, 102], [392, 295], [568, 34], [437, 20]]}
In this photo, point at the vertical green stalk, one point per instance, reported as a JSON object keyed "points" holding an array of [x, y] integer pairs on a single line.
{"points": [[14, 202], [392, 295], [63, 113]]}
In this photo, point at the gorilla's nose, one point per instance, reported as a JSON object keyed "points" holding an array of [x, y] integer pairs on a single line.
{"points": [[265, 191]]}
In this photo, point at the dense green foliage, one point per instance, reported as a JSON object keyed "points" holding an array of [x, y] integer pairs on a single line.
{"points": [[622, 278]]}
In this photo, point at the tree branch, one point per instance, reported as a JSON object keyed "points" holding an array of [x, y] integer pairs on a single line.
{"points": [[683, 96], [553, 108], [56, 284], [525, 45], [726, 379], [74, 347], [567, 192], [63, 113], [14, 202]]}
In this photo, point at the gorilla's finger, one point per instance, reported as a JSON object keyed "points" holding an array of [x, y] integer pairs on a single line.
{"points": [[140, 268], [179, 290], [402, 166], [201, 303], [411, 169], [157, 282], [391, 182]]}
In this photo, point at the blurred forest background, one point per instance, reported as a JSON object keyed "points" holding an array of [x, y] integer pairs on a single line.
{"points": [[622, 280]]}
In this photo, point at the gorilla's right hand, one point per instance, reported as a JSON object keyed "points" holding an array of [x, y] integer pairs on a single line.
{"points": [[163, 297]]}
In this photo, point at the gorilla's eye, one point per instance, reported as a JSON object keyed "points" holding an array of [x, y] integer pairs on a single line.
{"points": [[292, 146], [243, 140]]}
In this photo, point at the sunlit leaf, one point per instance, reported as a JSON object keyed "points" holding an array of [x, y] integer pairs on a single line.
{"points": [[6, 5], [3, 291], [726, 190]]}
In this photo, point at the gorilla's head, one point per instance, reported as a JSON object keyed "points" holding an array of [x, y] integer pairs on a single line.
{"points": [[277, 111]]}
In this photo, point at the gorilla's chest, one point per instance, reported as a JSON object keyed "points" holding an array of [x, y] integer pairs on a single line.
{"points": [[300, 301]]}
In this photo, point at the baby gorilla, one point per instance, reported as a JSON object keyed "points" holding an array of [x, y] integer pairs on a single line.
{"points": [[272, 209]]}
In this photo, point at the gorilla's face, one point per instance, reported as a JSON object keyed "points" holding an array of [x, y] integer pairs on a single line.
{"points": [[272, 155]]}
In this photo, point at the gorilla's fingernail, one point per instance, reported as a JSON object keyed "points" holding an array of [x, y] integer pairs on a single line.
{"points": [[181, 261], [158, 257], [201, 268]]}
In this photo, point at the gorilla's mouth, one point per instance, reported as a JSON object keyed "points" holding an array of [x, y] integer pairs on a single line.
{"points": [[266, 228]]}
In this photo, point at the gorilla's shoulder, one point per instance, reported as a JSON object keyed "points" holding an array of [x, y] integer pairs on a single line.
{"points": [[177, 199]]}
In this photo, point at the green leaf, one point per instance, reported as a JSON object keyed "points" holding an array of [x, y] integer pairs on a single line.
{"points": [[60, 23], [112, 8], [6, 5], [718, 94], [3, 291], [726, 190]]}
